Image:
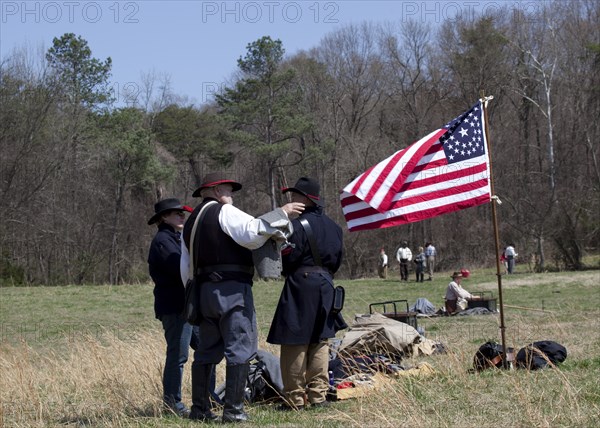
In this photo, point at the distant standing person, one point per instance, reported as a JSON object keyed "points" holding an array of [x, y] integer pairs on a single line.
{"points": [[420, 265], [510, 254], [504, 261], [169, 295], [430, 254], [404, 255], [382, 264]]}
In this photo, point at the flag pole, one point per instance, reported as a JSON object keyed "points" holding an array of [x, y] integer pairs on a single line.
{"points": [[495, 201]]}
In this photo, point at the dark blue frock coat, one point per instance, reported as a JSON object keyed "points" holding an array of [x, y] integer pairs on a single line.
{"points": [[303, 314]]}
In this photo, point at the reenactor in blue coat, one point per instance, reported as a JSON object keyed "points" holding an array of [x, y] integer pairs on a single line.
{"points": [[163, 263], [304, 320]]}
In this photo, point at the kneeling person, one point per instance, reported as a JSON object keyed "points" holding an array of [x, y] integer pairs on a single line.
{"points": [[456, 296]]}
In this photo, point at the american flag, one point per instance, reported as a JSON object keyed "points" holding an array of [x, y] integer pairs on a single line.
{"points": [[445, 171]]}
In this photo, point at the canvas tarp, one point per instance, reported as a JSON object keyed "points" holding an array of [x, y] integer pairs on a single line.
{"points": [[376, 333]]}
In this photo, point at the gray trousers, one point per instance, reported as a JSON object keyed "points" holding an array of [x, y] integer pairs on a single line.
{"points": [[228, 326]]}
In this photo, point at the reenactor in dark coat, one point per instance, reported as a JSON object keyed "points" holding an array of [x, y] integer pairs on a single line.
{"points": [[163, 264], [304, 320]]}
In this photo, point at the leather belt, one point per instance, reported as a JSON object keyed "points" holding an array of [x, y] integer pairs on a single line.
{"points": [[307, 269], [225, 268]]}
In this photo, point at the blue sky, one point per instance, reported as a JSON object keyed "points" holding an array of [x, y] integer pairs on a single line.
{"points": [[197, 43]]}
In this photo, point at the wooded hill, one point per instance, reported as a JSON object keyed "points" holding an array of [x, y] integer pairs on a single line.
{"points": [[80, 173]]}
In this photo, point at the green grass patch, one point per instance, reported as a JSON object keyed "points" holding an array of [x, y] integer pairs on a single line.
{"points": [[93, 355]]}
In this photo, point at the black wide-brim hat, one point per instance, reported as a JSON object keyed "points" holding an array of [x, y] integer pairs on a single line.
{"points": [[170, 204], [214, 179], [309, 188]]}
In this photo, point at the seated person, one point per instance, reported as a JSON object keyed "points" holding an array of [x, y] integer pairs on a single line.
{"points": [[456, 296]]}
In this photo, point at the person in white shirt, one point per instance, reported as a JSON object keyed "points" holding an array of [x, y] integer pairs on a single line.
{"points": [[404, 255], [382, 266], [224, 269], [457, 297], [510, 254]]}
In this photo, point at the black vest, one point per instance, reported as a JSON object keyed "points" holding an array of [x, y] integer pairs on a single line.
{"points": [[215, 246]]}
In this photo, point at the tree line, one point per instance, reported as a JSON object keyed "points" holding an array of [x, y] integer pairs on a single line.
{"points": [[79, 176]]}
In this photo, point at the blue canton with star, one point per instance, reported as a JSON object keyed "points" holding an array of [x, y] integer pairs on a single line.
{"points": [[464, 139]]}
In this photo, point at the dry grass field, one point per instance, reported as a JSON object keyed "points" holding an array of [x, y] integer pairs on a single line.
{"points": [[92, 357]]}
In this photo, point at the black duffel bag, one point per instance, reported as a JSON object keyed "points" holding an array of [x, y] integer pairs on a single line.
{"points": [[539, 355]]}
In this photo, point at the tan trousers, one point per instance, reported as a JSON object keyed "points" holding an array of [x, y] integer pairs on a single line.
{"points": [[430, 265], [304, 369]]}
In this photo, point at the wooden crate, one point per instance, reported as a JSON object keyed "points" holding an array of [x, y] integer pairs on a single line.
{"points": [[487, 300]]}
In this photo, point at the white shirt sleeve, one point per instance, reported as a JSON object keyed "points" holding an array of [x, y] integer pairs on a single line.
{"points": [[245, 230], [184, 263]]}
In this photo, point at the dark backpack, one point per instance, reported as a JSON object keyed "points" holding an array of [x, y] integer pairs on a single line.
{"points": [[539, 355], [259, 386], [489, 355]]}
